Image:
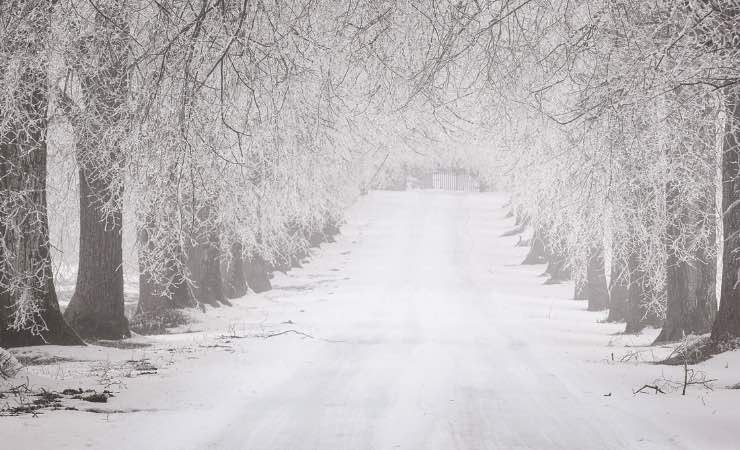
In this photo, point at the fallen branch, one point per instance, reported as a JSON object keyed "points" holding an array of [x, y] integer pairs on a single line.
{"points": [[266, 336], [649, 386]]}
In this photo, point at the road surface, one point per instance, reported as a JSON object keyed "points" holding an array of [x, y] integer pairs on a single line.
{"points": [[425, 333]]}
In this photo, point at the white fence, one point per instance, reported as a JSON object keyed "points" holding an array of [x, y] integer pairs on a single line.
{"points": [[454, 181]]}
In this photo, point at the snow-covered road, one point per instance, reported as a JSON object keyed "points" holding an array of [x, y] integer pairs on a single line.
{"points": [[427, 334]]}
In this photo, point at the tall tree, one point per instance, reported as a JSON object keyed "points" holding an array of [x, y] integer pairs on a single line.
{"points": [[727, 324], [29, 309], [97, 306], [691, 299], [163, 289]]}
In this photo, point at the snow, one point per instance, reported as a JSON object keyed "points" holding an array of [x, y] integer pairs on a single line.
{"points": [[421, 331]]}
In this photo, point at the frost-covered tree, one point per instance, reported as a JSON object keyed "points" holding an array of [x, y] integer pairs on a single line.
{"points": [[29, 310], [97, 56]]}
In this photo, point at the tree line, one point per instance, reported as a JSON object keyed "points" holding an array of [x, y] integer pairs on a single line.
{"points": [[213, 125], [234, 134], [629, 162]]}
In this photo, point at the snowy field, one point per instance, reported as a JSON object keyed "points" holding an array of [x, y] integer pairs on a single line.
{"points": [[417, 329]]}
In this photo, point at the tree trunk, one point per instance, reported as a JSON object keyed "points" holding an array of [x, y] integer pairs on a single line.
{"points": [[97, 306], [255, 271], [634, 310], [205, 270], [690, 285], [691, 300], [235, 283], [160, 300], [330, 230], [637, 315], [618, 292], [29, 309], [727, 324], [598, 293], [557, 268], [537, 252], [173, 294], [316, 238]]}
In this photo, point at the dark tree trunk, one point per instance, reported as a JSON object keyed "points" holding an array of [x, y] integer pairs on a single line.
{"points": [[557, 268], [159, 300], [331, 229], [537, 252], [97, 306], [172, 294], [727, 324], [316, 238], [637, 315], [204, 259], [257, 275], [29, 309], [618, 292], [205, 270], [691, 298], [634, 311], [598, 293], [235, 283]]}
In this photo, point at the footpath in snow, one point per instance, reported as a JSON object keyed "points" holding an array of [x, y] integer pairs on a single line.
{"points": [[417, 329]]}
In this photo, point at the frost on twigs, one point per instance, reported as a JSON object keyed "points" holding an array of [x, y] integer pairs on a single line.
{"points": [[9, 366], [690, 377], [695, 349], [692, 350], [28, 314]]}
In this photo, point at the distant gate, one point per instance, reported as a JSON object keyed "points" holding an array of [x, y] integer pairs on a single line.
{"points": [[454, 181]]}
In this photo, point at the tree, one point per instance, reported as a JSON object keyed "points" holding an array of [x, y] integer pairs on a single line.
{"points": [[727, 324], [97, 306], [163, 290], [691, 266], [204, 260], [29, 309]]}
